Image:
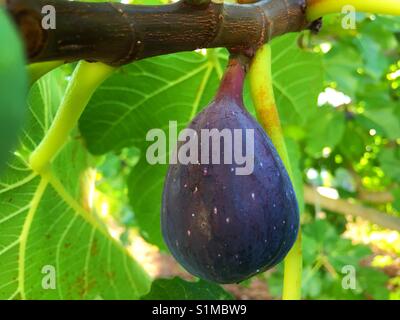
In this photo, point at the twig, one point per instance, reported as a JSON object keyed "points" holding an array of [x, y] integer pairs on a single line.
{"points": [[345, 207]]}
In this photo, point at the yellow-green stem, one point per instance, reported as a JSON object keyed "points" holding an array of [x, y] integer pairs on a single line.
{"points": [[37, 70], [319, 8], [85, 79], [267, 113]]}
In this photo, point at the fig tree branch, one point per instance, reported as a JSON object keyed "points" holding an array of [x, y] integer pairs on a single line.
{"points": [[311, 196], [377, 197], [117, 34]]}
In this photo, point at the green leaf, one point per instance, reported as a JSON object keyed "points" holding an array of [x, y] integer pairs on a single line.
{"points": [[146, 95], [386, 119], [396, 202], [353, 144], [322, 241], [313, 287], [313, 248], [390, 159], [373, 283], [322, 232], [370, 284], [49, 237], [326, 129], [382, 31], [375, 62], [341, 64], [13, 86], [178, 289], [297, 79]]}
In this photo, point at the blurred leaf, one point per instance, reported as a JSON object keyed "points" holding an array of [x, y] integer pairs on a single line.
{"points": [[374, 94], [387, 120], [311, 249], [297, 78], [341, 64], [13, 86], [375, 62], [324, 253], [313, 287], [396, 202], [326, 129], [373, 283], [322, 232], [390, 159]]}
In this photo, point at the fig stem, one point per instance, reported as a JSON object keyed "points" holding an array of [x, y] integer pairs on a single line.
{"points": [[267, 113], [231, 86], [319, 8], [85, 80]]}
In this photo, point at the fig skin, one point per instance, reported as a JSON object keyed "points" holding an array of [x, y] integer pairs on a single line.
{"points": [[224, 227]]}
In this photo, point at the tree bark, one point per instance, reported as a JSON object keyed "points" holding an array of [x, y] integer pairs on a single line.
{"points": [[118, 34]]}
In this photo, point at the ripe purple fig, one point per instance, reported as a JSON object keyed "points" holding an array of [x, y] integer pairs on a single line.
{"points": [[221, 223]]}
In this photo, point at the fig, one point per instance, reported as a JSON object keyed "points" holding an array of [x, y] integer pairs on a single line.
{"points": [[221, 224]]}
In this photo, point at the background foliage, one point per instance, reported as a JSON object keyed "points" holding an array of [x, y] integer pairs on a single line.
{"points": [[345, 139]]}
